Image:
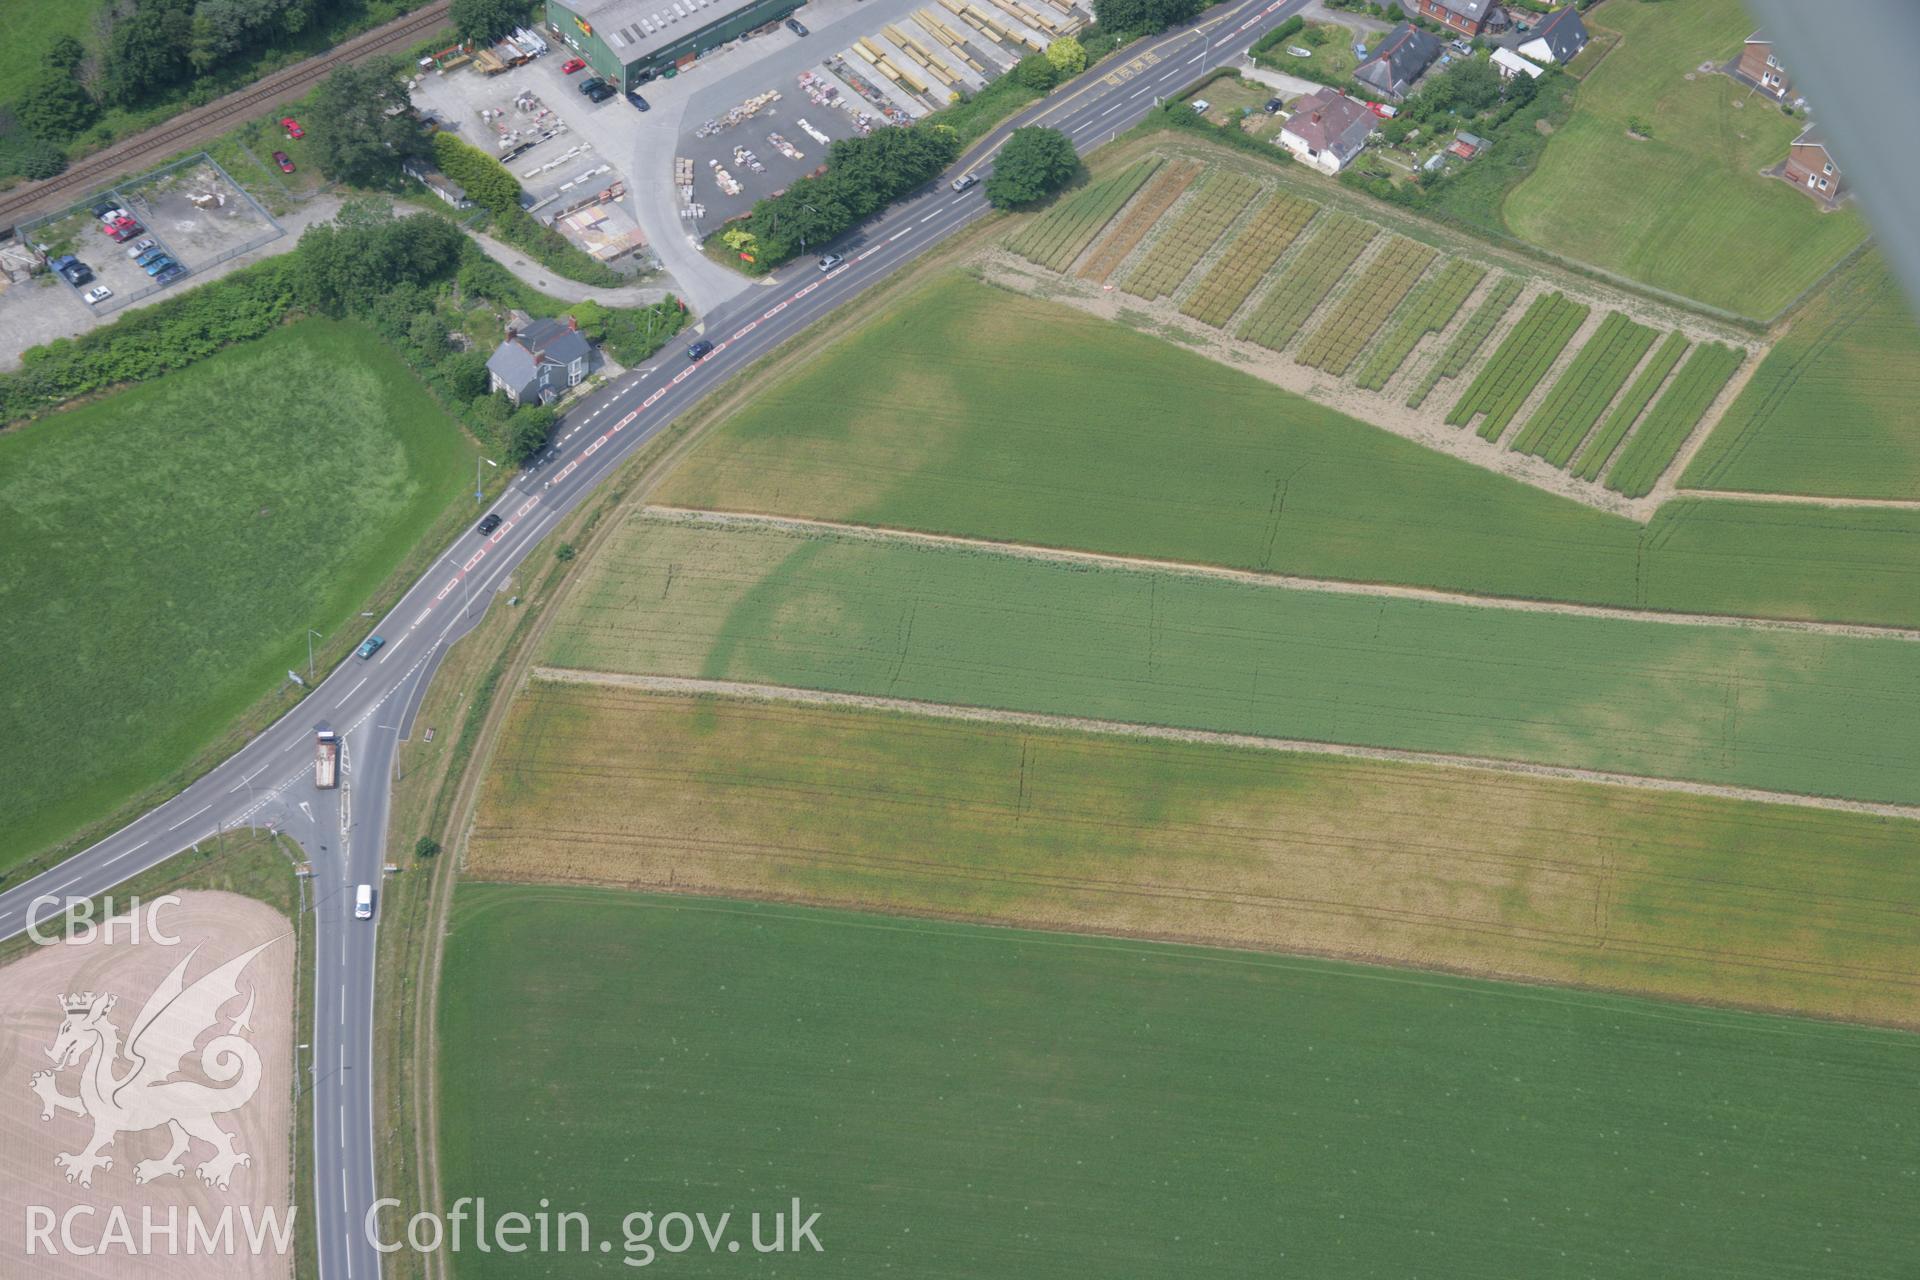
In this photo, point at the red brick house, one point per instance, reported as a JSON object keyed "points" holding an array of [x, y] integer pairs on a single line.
{"points": [[1469, 17], [1759, 67], [1811, 165]]}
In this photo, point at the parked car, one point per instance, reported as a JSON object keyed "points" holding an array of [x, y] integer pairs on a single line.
{"points": [[699, 349], [831, 260], [120, 235], [149, 255], [1274, 106], [602, 93], [158, 265], [369, 647], [72, 270], [489, 524], [173, 272], [99, 293], [639, 102], [964, 181], [1200, 106], [284, 160], [572, 65], [794, 25], [292, 127], [104, 209], [1459, 46], [138, 247]]}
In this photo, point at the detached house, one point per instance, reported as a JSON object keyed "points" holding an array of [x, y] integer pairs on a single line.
{"points": [[1398, 61], [1760, 68], [1556, 38], [1812, 166], [1327, 129], [538, 360], [1469, 17]]}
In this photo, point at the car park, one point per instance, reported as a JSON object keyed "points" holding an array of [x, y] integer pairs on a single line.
{"points": [[369, 647], [829, 261], [964, 181], [98, 294], [284, 160], [572, 65], [139, 247], [639, 102], [794, 25], [699, 349], [489, 524], [292, 127]]}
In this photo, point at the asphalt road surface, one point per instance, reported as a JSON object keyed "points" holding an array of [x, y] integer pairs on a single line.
{"points": [[371, 702]]}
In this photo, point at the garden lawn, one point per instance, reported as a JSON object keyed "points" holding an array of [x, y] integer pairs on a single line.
{"points": [[1688, 209], [1782, 710], [1831, 411], [967, 409], [958, 1102], [32, 28], [169, 546], [1450, 868]]}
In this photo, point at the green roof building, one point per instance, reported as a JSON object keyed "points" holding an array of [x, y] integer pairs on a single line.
{"points": [[631, 41]]}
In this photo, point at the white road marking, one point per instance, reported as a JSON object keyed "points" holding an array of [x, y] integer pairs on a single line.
{"points": [[349, 693], [189, 818], [930, 217]]}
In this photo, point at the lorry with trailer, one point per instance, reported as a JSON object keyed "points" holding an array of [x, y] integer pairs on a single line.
{"points": [[326, 759]]}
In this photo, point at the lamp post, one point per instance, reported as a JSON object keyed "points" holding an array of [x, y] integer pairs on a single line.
{"points": [[311, 634], [479, 494]]}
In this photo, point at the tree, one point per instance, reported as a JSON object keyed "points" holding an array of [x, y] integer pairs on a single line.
{"points": [[527, 431], [1141, 17], [1034, 163], [53, 106], [40, 159], [485, 180], [1035, 71], [466, 375], [349, 128], [1521, 90], [65, 54], [1467, 87], [1068, 56], [425, 847], [147, 51], [487, 20]]}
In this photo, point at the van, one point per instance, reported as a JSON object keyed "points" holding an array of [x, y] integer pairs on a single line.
{"points": [[363, 902]]}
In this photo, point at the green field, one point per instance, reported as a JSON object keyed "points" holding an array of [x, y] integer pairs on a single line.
{"points": [[1688, 209], [1780, 710], [1831, 410], [930, 417], [169, 546], [31, 30], [1443, 868], [962, 1102]]}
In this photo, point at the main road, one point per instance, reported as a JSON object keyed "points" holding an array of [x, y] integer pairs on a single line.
{"points": [[371, 702]]}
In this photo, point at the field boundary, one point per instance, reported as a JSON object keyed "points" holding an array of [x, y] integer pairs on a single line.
{"points": [[1278, 581], [754, 692], [1800, 499]]}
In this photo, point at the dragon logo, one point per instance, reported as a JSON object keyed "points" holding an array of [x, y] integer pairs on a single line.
{"points": [[145, 1093]]}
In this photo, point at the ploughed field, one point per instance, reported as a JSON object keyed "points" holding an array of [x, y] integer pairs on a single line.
{"points": [[957, 1101]]}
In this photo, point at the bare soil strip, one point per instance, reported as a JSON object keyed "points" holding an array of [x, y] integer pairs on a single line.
{"points": [[1279, 581], [1032, 720], [1799, 499]]}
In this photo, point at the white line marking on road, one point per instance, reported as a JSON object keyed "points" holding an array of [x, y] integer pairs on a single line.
{"points": [[896, 235], [930, 217], [475, 559], [744, 331], [349, 693], [189, 818], [424, 614]]}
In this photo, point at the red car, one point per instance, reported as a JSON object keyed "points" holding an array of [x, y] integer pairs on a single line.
{"points": [[292, 127], [572, 65], [284, 160]]}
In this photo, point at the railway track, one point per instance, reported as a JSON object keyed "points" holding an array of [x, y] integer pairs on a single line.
{"points": [[145, 148]]}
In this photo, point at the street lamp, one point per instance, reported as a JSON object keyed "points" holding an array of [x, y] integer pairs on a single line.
{"points": [[311, 634], [479, 494]]}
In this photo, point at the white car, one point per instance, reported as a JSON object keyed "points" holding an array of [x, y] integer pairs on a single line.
{"points": [[1200, 106], [363, 903], [139, 247], [100, 293]]}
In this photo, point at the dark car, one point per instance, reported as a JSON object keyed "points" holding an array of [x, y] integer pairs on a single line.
{"points": [[793, 25], [104, 208], [639, 102], [74, 271], [699, 349], [173, 271], [1273, 106], [488, 525]]}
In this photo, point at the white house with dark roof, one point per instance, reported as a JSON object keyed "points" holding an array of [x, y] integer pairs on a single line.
{"points": [[1558, 37], [538, 359], [1327, 130]]}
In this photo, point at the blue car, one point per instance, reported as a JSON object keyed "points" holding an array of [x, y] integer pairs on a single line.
{"points": [[158, 265], [172, 273], [371, 647]]}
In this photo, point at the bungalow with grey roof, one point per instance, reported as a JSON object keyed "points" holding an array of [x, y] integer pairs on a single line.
{"points": [[1398, 61]]}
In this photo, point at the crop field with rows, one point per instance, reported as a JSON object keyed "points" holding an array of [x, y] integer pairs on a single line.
{"points": [[1517, 367], [839, 806], [1593, 459], [1585, 390], [963, 625], [1467, 343], [1217, 201], [1059, 236], [1247, 260], [1430, 309], [1365, 306], [1321, 263], [1167, 186], [1672, 419]]}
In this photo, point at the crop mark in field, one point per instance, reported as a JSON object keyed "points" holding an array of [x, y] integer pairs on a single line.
{"points": [[749, 691], [1280, 581]]}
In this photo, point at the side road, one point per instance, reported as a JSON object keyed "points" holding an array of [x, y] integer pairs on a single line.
{"points": [[33, 314]]}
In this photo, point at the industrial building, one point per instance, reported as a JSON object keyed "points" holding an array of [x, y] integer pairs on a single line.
{"points": [[631, 41]]}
